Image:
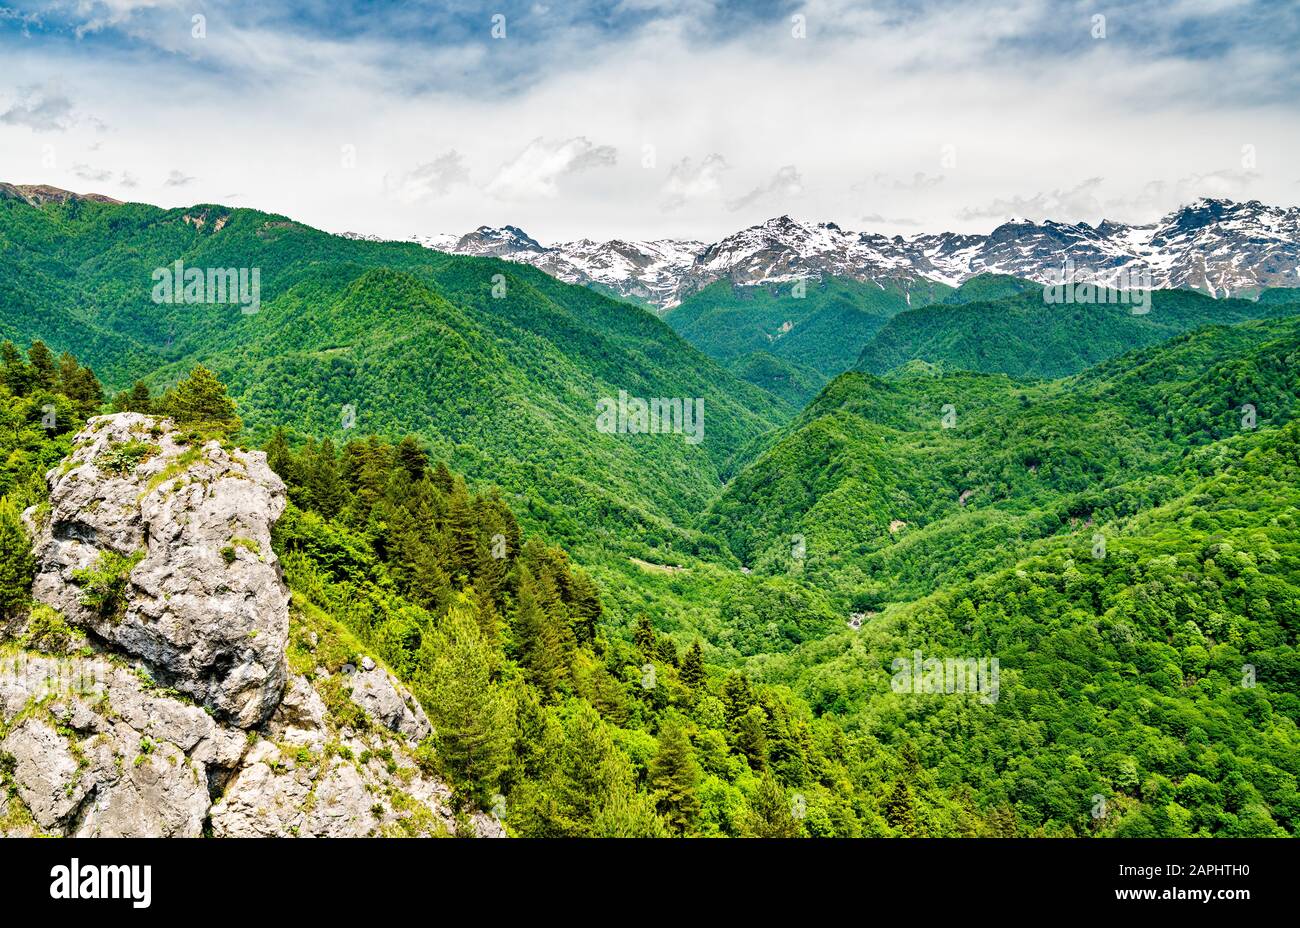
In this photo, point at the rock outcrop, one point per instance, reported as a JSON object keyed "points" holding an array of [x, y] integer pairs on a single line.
{"points": [[169, 708], [204, 607]]}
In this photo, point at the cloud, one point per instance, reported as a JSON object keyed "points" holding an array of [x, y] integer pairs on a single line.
{"points": [[102, 14], [786, 182], [178, 179], [39, 109], [1159, 196], [431, 180], [690, 181], [877, 219], [919, 181], [94, 175], [129, 180], [1069, 205], [536, 171]]}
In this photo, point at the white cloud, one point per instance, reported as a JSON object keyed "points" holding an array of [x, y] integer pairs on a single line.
{"points": [[690, 181], [785, 183], [92, 174], [536, 171], [178, 179], [41, 109], [1073, 203], [431, 180]]}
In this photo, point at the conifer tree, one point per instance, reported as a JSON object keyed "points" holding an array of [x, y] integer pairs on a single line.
{"points": [[693, 667], [751, 737], [45, 372], [645, 637], [769, 813], [136, 399], [280, 457], [674, 778], [412, 458], [469, 713], [200, 401], [324, 488], [16, 563], [460, 526], [14, 372], [627, 814], [900, 809]]}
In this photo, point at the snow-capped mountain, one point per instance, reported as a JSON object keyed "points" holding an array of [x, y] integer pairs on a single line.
{"points": [[646, 271], [1216, 246]]}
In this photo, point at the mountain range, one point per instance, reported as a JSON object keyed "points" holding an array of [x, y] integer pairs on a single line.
{"points": [[1217, 246], [1102, 501]]}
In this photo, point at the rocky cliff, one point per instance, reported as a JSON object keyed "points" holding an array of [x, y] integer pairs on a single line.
{"points": [[166, 685]]}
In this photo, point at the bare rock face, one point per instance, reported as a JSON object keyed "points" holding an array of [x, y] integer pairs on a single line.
{"points": [[203, 605], [176, 716]]}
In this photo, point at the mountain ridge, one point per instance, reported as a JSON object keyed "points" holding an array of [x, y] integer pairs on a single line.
{"points": [[1218, 246]]}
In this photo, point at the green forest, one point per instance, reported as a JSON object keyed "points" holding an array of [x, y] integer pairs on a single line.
{"points": [[634, 636]]}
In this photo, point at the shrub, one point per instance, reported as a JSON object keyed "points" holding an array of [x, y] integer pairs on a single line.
{"points": [[103, 587]]}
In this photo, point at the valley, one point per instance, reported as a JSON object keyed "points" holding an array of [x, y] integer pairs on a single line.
{"points": [[627, 631]]}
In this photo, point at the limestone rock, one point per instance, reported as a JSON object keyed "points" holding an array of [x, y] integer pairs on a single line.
{"points": [[204, 607], [386, 701]]}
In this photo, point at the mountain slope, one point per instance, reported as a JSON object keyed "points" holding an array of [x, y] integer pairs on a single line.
{"points": [[1025, 336], [817, 324], [904, 480], [499, 366]]}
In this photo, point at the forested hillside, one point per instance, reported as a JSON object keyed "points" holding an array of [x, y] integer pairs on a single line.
{"points": [[498, 366], [816, 326], [994, 324]]}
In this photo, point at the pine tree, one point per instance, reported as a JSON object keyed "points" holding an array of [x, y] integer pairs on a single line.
{"points": [[443, 478], [540, 646], [674, 777], [769, 814], [324, 489], [460, 527], [751, 737], [586, 609], [627, 814], [469, 713], [647, 641], [200, 401], [737, 699], [280, 457], [86, 392], [17, 566], [591, 770], [412, 458], [137, 399], [45, 372], [14, 372], [693, 667], [900, 809]]}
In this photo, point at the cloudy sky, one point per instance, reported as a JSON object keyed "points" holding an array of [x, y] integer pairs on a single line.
{"points": [[648, 118]]}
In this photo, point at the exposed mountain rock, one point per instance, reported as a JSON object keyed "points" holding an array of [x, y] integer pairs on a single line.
{"points": [[643, 271], [40, 194], [149, 692], [204, 607], [1216, 246]]}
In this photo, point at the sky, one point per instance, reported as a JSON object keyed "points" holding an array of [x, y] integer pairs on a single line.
{"points": [[643, 119]]}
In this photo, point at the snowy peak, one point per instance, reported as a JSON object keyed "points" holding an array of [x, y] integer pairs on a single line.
{"points": [[1217, 246]]}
